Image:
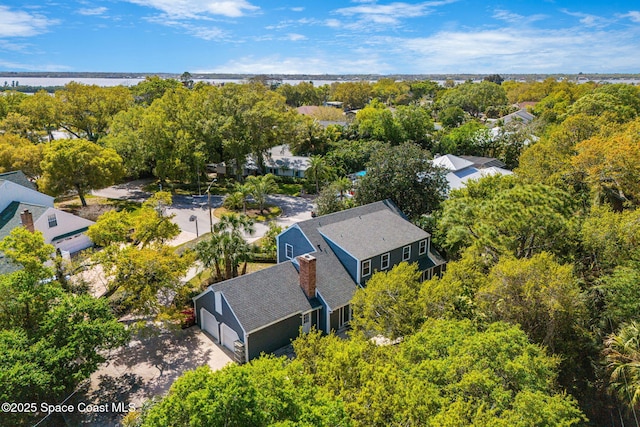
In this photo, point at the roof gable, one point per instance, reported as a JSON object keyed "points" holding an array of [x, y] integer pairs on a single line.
{"points": [[18, 177], [264, 297], [451, 162]]}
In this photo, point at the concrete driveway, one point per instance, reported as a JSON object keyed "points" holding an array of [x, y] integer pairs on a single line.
{"points": [[146, 368]]}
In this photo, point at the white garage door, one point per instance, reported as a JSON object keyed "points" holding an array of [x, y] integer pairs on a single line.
{"points": [[228, 336], [209, 323]]}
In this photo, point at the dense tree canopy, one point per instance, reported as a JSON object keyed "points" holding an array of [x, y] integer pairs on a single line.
{"points": [[405, 175], [79, 165]]}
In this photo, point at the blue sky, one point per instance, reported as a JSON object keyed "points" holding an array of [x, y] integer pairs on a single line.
{"points": [[321, 37]]}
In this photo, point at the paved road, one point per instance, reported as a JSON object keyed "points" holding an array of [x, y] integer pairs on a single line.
{"points": [[294, 209]]}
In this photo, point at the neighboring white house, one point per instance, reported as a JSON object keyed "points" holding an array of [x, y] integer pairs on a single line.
{"points": [[278, 161], [462, 170], [281, 162], [21, 205]]}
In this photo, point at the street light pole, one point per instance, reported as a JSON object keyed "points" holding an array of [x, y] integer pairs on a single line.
{"points": [[209, 204], [193, 218]]}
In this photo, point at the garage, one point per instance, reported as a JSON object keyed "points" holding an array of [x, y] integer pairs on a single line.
{"points": [[209, 323], [228, 336]]}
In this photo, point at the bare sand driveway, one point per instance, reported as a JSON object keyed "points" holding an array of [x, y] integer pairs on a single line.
{"points": [[145, 368]]}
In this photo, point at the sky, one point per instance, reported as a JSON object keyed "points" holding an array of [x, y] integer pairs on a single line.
{"points": [[321, 36]]}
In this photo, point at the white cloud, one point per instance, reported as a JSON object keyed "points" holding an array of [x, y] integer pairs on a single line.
{"points": [[196, 8], [587, 19], [300, 65], [295, 37], [93, 11], [22, 24], [633, 15], [7, 65], [391, 13], [514, 18], [516, 50], [199, 31], [297, 9]]}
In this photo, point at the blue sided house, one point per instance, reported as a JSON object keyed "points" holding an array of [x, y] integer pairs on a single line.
{"points": [[321, 262]]}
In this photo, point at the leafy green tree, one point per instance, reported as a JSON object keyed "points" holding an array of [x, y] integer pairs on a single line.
{"points": [[448, 373], [61, 347], [260, 187], [269, 243], [18, 153], [376, 121], [539, 294], [86, 110], [44, 112], [474, 98], [389, 304], [332, 198], [268, 391], [152, 88], [621, 295], [28, 249], [405, 175], [80, 165], [463, 140], [499, 218], [353, 95]]}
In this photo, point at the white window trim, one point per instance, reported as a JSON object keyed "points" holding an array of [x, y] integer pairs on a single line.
{"points": [[383, 265], [52, 220], [286, 251], [408, 257], [368, 263], [422, 250]]}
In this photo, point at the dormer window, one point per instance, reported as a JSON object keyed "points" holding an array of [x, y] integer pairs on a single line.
{"points": [[406, 253], [366, 268], [53, 221], [422, 248]]}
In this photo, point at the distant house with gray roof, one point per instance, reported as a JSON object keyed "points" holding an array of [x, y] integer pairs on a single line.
{"points": [[465, 168], [21, 205], [321, 263]]}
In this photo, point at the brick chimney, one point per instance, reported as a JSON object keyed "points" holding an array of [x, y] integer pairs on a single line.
{"points": [[308, 275], [26, 218]]}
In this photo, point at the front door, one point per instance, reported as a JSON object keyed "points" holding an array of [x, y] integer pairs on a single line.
{"points": [[306, 322]]}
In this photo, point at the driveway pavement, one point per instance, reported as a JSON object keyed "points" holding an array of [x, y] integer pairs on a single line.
{"points": [[146, 368]]}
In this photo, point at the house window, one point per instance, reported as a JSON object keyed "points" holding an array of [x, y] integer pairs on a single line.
{"points": [[384, 261], [366, 268], [218, 302], [427, 274], [422, 248], [53, 221], [406, 253], [288, 249]]}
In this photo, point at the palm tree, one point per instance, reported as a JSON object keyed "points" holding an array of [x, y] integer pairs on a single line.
{"points": [[342, 185], [261, 187], [245, 191], [622, 355], [318, 170], [226, 248]]}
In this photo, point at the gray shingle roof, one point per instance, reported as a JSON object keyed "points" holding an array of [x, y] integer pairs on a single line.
{"points": [[365, 236], [264, 297], [10, 216], [333, 282], [19, 178]]}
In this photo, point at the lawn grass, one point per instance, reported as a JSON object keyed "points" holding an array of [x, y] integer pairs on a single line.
{"points": [[96, 206]]}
